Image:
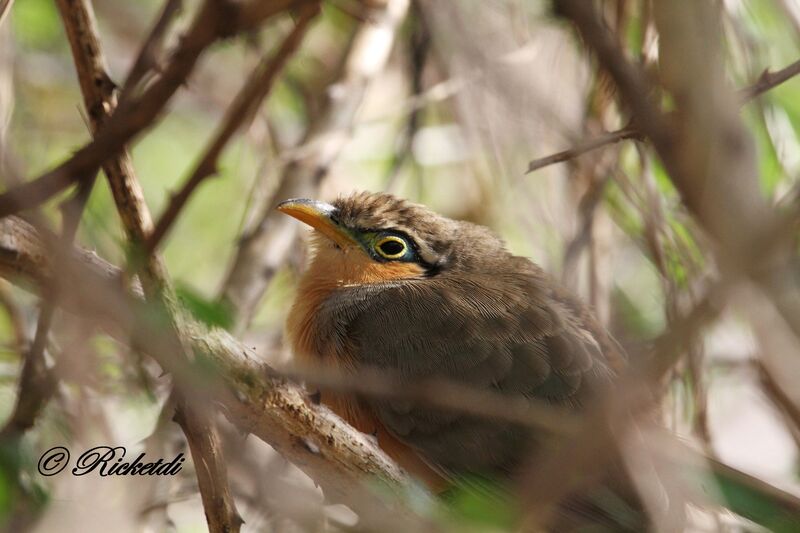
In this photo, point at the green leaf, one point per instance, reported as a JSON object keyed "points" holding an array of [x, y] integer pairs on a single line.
{"points": [[211, 313], [748, 497], [36, 24], [480, 502]]}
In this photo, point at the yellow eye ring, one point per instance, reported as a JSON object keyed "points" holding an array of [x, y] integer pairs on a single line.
{"points": [[391, 247]]}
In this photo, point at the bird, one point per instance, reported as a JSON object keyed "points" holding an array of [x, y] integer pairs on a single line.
{"points": [[393, 285]]}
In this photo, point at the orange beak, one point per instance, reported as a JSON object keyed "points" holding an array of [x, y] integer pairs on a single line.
{"points": [[319, 216]]}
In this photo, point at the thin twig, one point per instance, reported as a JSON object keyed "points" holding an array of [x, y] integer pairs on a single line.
{"points": [[255, 89], [612, 137], [782, 401], [146, 59], [419, 44], [768, 80], [37, 383], [140, 113]]}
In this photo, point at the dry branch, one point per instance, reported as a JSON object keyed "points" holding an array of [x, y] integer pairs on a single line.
{"points": [[146, 58], [209, 464], [703, 142], [99, 97], [767, 81], [782, 401], [215, 20], [612, 137], [37, 383], [336, 456], [255, 89], [259, 401], [5, 7]]}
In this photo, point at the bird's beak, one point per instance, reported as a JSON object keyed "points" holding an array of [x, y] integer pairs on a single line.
{"points": [[319, 216]]}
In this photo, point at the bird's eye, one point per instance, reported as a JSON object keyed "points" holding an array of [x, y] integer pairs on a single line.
{"points": [[391, 247]]}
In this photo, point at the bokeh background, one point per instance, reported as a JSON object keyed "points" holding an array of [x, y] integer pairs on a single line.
{"points": [[470, 92]]}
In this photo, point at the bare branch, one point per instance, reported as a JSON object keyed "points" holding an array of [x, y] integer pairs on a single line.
{"points": [[212, 476], [767, 81], [5, 8], [255, 89], [612, 137], [704, 144], [787, 407], [146, 58], [37, 383], [331, 452], [137, 114], [98, 92]]}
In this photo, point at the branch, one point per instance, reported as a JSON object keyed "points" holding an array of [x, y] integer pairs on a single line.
{"points": [[37, 383], [210, 468], [98, 92], [265, 248], [782, 401], [5, 8], [255, 89], [336, 456], [768, 80], [700, 143], [612, 137], [146, 58], [258, 400], [212, 22]]}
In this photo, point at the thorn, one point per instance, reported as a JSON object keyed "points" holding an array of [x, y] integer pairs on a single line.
{"points": [[310, 446], [315, 397], [374, 437]]}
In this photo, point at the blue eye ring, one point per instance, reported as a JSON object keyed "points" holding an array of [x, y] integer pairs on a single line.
{"points": [[391, 247]]}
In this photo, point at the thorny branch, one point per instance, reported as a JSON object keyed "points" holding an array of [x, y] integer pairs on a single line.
{"points": [[100, 100], [768, 80], [255, 89], [335, 455], [212, 22], [146, 60]]}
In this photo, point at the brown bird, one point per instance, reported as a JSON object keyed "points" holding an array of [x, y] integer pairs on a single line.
{"points": [[393, 285]]}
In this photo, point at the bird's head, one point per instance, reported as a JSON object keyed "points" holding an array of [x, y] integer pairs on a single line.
{"points": [[368, 237]]}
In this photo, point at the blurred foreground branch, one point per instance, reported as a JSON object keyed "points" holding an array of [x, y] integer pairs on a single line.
{"points": [[100, 100], [339, 458], [260, 401]]}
